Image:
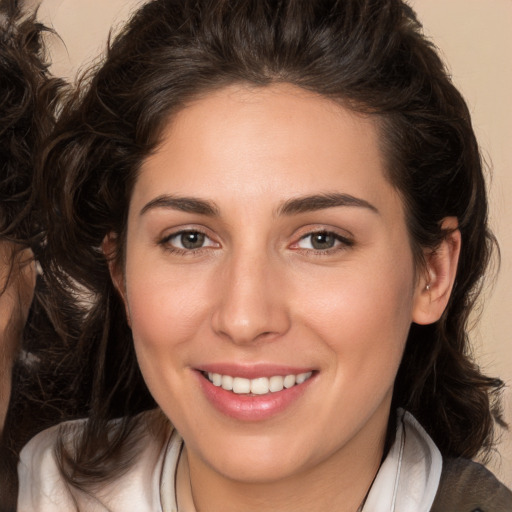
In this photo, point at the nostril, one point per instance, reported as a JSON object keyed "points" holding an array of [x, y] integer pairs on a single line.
{"points": [[248, 308]]}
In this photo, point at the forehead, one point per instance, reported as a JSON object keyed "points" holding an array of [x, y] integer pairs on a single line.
{"points": [[277, 141]]}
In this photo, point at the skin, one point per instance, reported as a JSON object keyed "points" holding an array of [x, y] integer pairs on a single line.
{"points": [[258, 292], [17, 280]]}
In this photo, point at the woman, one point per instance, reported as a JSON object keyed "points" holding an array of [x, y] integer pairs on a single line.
{"points": [[28, 95], [279, 211], [22, 121]]}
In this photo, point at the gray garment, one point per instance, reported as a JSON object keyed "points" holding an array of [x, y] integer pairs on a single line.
{"points": [[466, 486]]}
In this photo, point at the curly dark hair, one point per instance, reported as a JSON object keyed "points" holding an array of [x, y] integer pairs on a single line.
{"points": [[28, 100], [369, 55]]}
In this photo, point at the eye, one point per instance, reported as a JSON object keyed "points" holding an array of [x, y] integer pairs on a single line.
{"points": [[189, 240], [322, 241]]}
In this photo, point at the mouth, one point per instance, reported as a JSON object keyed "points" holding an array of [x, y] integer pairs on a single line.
{"points": [[256, 386], [256, 392]]}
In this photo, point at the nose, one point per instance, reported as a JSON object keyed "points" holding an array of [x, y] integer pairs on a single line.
{"points": [[251, 305]]}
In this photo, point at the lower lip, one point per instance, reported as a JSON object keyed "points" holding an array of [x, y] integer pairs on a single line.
{"points": [[252, 407]]}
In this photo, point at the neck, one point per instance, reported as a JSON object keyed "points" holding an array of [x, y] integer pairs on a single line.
{"points": [[340, 482]]}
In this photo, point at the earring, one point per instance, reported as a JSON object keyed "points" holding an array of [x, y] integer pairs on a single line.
{"points": [[427, 287]]}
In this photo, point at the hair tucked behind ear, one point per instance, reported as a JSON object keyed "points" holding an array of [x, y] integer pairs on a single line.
{"points": [[369, 55]]}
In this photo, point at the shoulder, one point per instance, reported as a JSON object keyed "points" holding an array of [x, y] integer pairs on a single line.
{"points": [[43, 488], [467, 486]]}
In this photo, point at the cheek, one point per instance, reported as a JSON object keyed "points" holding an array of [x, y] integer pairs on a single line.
{"points": [[161, 312], [363, 315], [165, 305], [163, 320]]}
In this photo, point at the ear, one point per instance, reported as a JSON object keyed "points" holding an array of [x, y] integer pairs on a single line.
{"points": [[436, 282], [109, 246]]}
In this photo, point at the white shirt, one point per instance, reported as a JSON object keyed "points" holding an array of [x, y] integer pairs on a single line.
{"points": [[407, 480]]}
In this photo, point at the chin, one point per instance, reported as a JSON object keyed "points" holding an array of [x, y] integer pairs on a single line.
{"points": [[258, 460]]}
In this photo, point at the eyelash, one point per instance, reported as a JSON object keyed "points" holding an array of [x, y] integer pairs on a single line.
{"points": [[165, 242], [341, 243]]}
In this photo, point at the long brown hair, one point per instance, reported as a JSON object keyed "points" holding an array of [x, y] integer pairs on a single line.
{"points": [[28, 101], [369, 54]]}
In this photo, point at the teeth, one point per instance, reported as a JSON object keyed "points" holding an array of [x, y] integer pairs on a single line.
{"points": [[227, 382], [302, 377], [241, 386], [275, 384], [215, 378], [289, 381], [258, 386]]}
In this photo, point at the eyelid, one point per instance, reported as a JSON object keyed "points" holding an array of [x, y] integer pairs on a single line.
{"points": [[165, 240], [344, 241]]}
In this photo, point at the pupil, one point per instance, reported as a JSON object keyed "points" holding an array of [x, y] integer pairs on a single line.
{"points": [[192, 240], [322, 241]]}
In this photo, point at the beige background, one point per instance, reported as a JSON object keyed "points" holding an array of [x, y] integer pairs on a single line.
{"points": [[475, 38]]}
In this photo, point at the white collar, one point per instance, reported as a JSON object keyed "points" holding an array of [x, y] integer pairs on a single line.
{"points": [[406, 481], [409, 476], [169, 471]]}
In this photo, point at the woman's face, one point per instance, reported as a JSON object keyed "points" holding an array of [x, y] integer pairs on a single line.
{"points": [[266, 248]]}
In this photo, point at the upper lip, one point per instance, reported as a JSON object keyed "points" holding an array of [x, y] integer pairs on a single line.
{"points": [[253, 371]]}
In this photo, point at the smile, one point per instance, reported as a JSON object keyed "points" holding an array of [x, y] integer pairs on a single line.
{"points": [[258, 386]]}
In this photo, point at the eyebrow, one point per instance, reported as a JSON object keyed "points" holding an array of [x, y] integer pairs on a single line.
{"points": [[184, 204], [322, 201], [290, 207]]}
